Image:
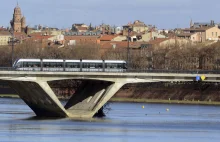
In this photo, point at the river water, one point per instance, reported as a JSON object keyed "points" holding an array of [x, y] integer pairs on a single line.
{"points": [[125, 122]]}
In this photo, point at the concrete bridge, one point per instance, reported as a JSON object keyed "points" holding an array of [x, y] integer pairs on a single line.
{"points": [[97, 89]]}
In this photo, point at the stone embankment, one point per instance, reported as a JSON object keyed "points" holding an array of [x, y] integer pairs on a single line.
{"points": [[194, 92]]}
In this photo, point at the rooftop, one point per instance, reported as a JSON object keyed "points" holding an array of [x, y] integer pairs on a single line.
{"points": [[158, 40]]}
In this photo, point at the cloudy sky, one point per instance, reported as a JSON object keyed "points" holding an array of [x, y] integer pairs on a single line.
{"points": [[63, 13]]}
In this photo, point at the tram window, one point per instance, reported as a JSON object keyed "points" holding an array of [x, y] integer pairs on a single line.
{"points": [[92, 65], [46, 64], [31, 64], [19, 65], [110, 65], [99, 65], [59, 65], [25, 64], [73, 65], [52, 65], [120, 66], [85, 65]]}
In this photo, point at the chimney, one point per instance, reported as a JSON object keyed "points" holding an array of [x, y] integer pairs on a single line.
{"points": [[212, 23]]}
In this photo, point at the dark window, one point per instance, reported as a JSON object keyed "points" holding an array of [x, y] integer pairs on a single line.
{"points": [[73, 65], [30, 64], [52, 65], [114, 65], [92, 65]]}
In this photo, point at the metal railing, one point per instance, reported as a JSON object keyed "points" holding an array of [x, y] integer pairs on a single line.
{"points": [[116, 71], [7, 69]]}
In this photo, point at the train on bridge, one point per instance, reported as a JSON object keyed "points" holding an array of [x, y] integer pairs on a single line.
{"points": [[70, 65]]}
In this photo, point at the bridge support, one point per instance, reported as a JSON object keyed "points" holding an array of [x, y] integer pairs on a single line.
{"points": [[90, 97], [87, 100], [39, 97]]}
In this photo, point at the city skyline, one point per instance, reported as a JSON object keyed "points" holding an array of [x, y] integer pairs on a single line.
{"points": [[164, 14]]}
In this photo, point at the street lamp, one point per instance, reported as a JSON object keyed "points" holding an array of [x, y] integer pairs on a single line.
{"points": [[12, 48], [128, 50]]}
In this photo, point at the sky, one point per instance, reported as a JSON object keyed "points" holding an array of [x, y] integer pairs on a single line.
{"points": [[164, 14]]}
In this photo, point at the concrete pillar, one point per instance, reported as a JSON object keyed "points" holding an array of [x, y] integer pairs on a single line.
{"points": [[87, 100], [39, 97], [90, 97]]}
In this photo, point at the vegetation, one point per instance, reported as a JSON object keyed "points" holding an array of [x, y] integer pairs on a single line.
{"points": [[188, 57]]}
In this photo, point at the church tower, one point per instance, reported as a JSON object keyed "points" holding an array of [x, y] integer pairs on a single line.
{"points": [[23, 22], [18, 23], [191, 24]]}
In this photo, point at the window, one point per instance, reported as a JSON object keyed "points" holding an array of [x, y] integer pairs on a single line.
{"points": [[113, 65], [30, 64], [52, 65], [212, 33], [216, 34], [73, 65], [92, 65]]}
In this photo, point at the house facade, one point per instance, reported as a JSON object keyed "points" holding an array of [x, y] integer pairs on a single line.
{"points": [[5, 37], [137, 26], [201, 34]]}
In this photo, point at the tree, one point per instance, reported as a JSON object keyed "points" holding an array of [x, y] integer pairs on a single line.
{"points": [[90, 27]]}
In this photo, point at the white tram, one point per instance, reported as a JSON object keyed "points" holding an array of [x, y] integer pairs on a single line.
{"points": [[70, 65]]}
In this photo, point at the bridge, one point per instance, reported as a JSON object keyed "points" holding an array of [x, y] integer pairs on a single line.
{"points": [[97, 88]]}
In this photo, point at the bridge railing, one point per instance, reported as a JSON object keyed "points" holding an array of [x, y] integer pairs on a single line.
{"points": [[7, 69], [177, 71], [116, 71]]}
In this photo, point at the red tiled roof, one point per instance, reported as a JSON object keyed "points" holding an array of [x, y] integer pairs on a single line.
{"points": [[197, 29], [80, 37], [40, 37], [20, 35], [3, 29], [107, 37], [120, 44], [158, 40], [36, 34], [185, 34], [5, 33]]}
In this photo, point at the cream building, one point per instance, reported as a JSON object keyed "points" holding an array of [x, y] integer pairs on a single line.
{"points": [[201, 34], [5, 37], [137, 26]]}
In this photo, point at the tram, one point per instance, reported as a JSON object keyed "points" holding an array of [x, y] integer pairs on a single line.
{"points": [[70, 65]]}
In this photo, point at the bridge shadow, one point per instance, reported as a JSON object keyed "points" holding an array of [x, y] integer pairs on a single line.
{"points": [[94, 119], [36, 118]]}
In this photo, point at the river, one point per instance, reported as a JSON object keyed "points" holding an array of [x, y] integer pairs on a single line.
{"points": [[125, 122]]}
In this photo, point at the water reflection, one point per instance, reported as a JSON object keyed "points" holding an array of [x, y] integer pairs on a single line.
{"points": [[125, 122]]}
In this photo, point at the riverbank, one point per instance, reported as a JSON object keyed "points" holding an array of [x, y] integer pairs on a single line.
{"points": [[9, 96], [130, 100]]}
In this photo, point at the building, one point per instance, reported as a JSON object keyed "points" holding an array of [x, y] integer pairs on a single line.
{"points": [[137, 26], [167, 42], [3, 28], [201, 34], [151, 35], [80, 28], [18, 23], [80, 40], [203, 24], [5, 37]]}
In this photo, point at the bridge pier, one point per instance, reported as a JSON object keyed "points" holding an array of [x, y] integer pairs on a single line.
{"points": [[85, 103], [39, 97], [90, 97]]}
